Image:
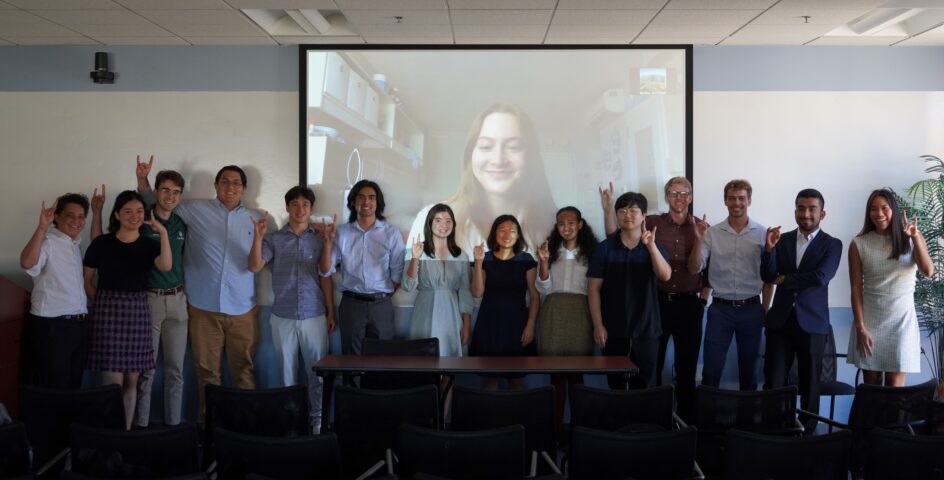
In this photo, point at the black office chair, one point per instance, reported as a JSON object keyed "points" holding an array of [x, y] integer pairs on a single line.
{"points": [[475, 409], [153, 453], [603, 455], [903, 456], [274, 412], [367, 421], [15, 461], [876, 406], [762, 411], [70, 475], [749, 456], [48, 414], [491, 453], [313, 457], [645, 410], [829, 384], [423, 347], [934, 424]]}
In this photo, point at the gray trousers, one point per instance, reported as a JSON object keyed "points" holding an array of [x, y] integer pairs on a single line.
{"points": [[169, 330], [361, 319]]}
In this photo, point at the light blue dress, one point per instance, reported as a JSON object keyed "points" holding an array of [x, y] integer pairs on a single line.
{"points": [[443, 295]]}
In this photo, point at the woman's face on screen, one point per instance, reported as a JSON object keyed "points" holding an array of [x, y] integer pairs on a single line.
{"points": [[499, 154]]}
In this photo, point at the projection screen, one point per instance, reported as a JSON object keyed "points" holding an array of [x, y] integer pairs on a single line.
{"points": [[491, 131]]}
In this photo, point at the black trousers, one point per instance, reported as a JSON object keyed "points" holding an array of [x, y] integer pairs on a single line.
{"points": [[789, 342], [682, 321], [55, 349], [642, 351]]}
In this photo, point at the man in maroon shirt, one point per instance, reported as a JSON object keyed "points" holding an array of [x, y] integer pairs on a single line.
{"points": [[683, 296]]}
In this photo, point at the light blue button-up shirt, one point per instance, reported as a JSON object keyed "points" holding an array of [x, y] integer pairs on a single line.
{"points": [[370, 260], [216, 256], [293, 260], [734, 273]]}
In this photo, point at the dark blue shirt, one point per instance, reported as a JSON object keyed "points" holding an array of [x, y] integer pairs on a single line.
{"points": [[629, 300]]}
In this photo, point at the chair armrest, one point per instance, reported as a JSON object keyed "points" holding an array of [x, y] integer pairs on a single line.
{"points": [[699, 475], [823, 419], [679, 423], [63, 455], [374, 469], [550, 463]]}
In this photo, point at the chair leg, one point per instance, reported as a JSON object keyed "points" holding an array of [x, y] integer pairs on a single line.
{"points": [[832, 410]]}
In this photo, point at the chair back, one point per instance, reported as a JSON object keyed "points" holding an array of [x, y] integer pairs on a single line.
{"points": [[367, 421], [934, 424], [604, 409], [48, 413], [14, 450], [475, 409], [598, 454], [421, 347], [829, 373], [904, 457], [890, 407], [493, 453], [239, 455], [274, 412], [152, 453], [749, 456]]}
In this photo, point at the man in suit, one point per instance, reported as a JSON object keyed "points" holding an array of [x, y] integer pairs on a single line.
{"points": [[800, 263]]}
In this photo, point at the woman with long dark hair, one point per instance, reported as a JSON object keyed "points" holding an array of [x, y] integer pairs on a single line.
{"points": [[564, 321], [439, 270], [885, 342], [504, 278], [120, 344]]}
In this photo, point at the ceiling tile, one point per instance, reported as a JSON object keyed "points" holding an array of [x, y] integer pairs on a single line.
{"points": [[4, 42], [705, 17], [72, 40], [499, 31], [94, 17], [118, 40], [245, 30], [793, 16], [405, 30], [6, 6], [855, 41], [291, 40], [501, 4], [501, 17], [610, 4], [146, 30], [594, 31], [46, 29], [677, 40], [176, 4], [391, 4], [283, 4], [407, 17], [381, 40], [223, 40], [19, 17], [826, 4], [196, 17], [811, 30], [690, 30], [589, 40], [933, 37], [65, 4], [505, 40], [603, 17], [719, 4]]}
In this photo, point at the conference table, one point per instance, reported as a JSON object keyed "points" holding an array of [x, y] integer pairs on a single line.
{"points": [[331, 365]]}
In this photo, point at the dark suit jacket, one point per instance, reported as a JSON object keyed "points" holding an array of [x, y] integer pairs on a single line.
{"points": [[806, 287]]}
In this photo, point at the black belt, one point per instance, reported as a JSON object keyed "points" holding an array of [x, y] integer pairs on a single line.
{"points": [[675, 297], [80, 317], [737, 303], [365, 297], [167, 291]]}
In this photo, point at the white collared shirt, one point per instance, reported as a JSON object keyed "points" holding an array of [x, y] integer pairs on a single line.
{"points": [[803, 242], [567, 275], [58, 284]]}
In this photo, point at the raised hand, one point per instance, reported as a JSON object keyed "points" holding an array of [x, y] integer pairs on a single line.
{"points": [[606, 197], [262, 224], [46, 215], [701, 228], [910, 228], [98, 201], [544, 254], [648, 237], [417, 248], [155, 225], [142, 170], [772, 237], [330, 230], [478, 252]]}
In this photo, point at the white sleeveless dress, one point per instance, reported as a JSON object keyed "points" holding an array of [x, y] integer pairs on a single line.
{"points": [[887, 308]]}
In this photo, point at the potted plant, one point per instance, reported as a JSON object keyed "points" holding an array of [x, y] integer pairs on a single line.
{"points": [[926, 202]]}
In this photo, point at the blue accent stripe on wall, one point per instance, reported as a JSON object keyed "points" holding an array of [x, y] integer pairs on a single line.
{"points": [[152, 68], [798, 68]]}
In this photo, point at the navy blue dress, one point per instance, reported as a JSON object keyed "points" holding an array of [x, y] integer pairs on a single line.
{"points": [[503, 313]]}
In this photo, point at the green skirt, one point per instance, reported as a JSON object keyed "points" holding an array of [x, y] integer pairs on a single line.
{"points": [[565, 325]]}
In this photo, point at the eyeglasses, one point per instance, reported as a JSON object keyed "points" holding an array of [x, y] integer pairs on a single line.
{"points": [[173, 191], [226, 182], [680, 193], [627, 211]]}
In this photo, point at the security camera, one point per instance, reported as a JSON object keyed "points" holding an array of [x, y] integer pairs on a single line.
{"points": [[101, 73]]}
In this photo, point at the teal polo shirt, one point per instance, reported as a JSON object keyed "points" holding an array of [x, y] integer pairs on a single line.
{"points": [[176, 233]]}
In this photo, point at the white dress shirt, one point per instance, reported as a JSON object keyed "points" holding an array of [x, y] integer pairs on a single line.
{"points": [[58, 284], [566, 275]]}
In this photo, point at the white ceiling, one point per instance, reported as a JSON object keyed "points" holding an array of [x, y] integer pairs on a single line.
{"points": [[460, 22]]}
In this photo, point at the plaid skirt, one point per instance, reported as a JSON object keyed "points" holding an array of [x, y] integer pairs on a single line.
{"points": [[119, 333]]}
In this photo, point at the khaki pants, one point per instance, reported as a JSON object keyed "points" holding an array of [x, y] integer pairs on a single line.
{"points": [[169, 331], [210, 332]]}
